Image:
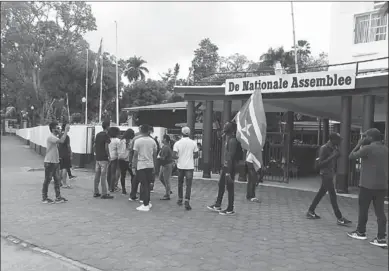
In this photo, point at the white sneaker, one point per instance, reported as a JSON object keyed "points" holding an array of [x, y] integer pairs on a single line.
{"points": [[143, 208], [150, 205]]}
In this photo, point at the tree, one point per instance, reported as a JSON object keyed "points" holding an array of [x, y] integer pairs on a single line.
{"points": [[206, 59], [142, 93], [170, 77], [134, 69], [303, 52], [32, 29], [272, 56], [234, 63], [315, 64]]}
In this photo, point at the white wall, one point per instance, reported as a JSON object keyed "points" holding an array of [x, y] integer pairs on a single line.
{"points": [[342, 47]]}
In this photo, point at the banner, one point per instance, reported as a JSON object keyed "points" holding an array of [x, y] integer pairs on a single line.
{"points": [[96, 67], [314, 81]]}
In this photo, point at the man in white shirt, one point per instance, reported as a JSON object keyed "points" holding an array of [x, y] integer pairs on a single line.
{"points": [[185, 151], [252, 178], [51, 163]]}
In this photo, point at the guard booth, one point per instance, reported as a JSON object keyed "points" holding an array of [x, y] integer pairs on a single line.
{"points": [[357, 99]]}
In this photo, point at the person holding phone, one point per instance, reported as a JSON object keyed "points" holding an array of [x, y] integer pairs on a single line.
{"points": [[326, 162], [373, 184]]}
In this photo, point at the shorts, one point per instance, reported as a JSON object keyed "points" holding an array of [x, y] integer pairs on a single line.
{"points": [[65, 163]]}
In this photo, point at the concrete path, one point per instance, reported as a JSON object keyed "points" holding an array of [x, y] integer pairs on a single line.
{"points": [[111, 235]]}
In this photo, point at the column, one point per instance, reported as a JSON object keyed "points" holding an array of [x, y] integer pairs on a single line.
{"points": [[288, 141], [387, 122], [342, 174], [326, 130], [225, 117], [368, 112], [207, 137], [191, 117]]}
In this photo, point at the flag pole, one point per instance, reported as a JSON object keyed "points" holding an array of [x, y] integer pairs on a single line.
{"points": [[86, 87], [294, 40], [67, 102], [101, 82], [117, 77]]}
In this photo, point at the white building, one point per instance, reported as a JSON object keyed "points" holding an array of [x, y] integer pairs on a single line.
{"points": [[359, 31]]}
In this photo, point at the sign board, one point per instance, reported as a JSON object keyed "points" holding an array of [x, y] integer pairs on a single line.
{"points": [[314, 81]]}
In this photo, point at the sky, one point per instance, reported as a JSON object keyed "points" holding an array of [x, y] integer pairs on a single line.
{"points": [[165, 33]]}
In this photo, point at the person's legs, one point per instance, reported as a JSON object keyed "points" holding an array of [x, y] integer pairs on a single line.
{"points": [[167, 172], [123, 165], [104, 169], [97, 178], [160, 176], [57, 182], [320, 194], [189, 180], [144, 179], [252, 177], [64, 177], [115, 174], [222, 188], [328, 182], [379, 208], [49, 170], [134, 186], [231, 192], [181, 176], [109, 175]]}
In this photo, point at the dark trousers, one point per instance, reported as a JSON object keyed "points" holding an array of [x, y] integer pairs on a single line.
{"points": [[366, 196], [327, 184], [188, 175], [51, 172], [124, 167], [69, 172], [111, 174], [223, 182], [134, 186], [145, 176], [252, 181]]}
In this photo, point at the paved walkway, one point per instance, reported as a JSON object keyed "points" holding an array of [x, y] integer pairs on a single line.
{"points": [[111, 235]]}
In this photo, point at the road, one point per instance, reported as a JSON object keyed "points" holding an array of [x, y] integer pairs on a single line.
{"points": [[111, 235]]}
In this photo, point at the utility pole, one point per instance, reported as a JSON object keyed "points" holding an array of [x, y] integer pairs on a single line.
{"points": [[294, 40]]}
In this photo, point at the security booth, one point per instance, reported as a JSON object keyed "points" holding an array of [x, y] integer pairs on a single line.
{"points": [[354, 98]]}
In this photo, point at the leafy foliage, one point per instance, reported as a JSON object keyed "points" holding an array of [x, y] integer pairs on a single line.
{"points": [[134, 69], [206, 59]]}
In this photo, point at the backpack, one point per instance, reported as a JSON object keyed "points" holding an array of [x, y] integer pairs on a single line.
{"points": [[239, 153]]}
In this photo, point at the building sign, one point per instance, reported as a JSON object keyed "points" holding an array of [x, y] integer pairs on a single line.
{"points": [[314, 81]]}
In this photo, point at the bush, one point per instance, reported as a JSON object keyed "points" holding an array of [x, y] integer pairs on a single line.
{"points": [[76, 117]]}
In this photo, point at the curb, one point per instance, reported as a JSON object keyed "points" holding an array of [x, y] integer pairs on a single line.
{"points": [[30, 246]]}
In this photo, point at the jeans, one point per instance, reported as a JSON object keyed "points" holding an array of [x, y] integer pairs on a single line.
{"points": [[124, 167], [327, 184], [165, 173], [378, 198], [101, 176], [252, 181], [223, 182], [51, 171], [188, 175], [112, 174], [134, 186], [144, 176]]}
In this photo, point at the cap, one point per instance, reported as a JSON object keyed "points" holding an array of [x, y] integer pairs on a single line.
{"points": [[185, 130], [335, 136]]}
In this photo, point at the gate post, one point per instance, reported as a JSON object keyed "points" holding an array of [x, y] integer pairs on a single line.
{"points": [[207, 138], [326, 130], [191, 117], [368, 112]]}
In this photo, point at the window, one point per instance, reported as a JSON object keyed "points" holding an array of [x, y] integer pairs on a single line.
{"points": [[370, 27]]}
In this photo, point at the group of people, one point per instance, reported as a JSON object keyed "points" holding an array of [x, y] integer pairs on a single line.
{"points": [[141, 156]]}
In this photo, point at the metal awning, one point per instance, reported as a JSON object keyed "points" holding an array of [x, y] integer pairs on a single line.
{"points": [[154, 107]]}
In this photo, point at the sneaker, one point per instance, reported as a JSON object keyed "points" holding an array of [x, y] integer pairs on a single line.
{"points": [[117, 189], [47, 201], [107, 196], [124, 191], [357, 235], [60, 200], [165, 198], [227, 212], [179, 202], [72, 177], [312, 215], [187, 206], [141, 201], [143, 208], [379, 242], [152, 191], [96, 195], [214, 207], [133, 199], [343, 222], [254, 200]]}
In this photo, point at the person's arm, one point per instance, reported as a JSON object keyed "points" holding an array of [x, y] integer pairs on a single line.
{"points": [[135, 156], [164, 153], [155, 157], [175, 151], [323, 153], [359, 152], [70, 149], [231, 150], [107, 141], [196, 151], [55, 140]]}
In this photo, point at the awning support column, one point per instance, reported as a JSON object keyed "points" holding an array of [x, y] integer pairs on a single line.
{"points": [[342, 173], [326, 130], [368, 112], [207, 138], [191, 117]]}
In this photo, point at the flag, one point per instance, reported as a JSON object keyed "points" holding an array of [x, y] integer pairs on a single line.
{"points": [[96, 67], [251, 127]]}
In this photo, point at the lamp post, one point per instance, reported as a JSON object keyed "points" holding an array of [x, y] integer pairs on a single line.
{"points": [[83, 100], [33, 115]]}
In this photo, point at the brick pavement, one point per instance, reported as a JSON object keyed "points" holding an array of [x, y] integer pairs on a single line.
{"points": [[112, 235]]}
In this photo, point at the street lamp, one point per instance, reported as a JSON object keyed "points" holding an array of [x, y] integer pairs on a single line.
{"points": [[33, 116], [83, 100]]}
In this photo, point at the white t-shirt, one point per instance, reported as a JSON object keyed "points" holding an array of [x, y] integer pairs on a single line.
{"points": [[114, 148], [250, 158], [52, 155], [145, 146], [185, 149]]}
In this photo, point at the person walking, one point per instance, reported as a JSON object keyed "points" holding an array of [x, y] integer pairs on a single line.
{"points": [[231, 147], [157, 166], [102, 157], [112, 175], [166, 162], [326, 162], [51, 163], [144, 161], [124, 156], [252, 178], [373, 184], [65, 153], [134, 180], [185, 151]]}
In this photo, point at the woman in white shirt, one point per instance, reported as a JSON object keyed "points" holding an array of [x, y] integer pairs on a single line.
{"points": [[113, 147]]}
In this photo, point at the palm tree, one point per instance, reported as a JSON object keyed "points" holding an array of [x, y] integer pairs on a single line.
{"points": [[134, 69], [303, 52], [272, 56]]}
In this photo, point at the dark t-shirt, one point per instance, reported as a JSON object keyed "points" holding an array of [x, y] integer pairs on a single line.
{"points": [[101, 139], [63, 148]]}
